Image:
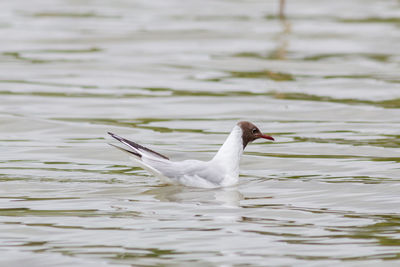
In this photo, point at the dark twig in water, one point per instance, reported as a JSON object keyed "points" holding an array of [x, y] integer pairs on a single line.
{"points": [[282, 9]]}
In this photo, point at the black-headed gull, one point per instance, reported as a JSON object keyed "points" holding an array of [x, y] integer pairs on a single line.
{"points": [[222, 170]]}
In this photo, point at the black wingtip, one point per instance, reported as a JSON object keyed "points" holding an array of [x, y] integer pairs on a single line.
{"points": [[115, 136], [135, 146], [126, 150]]}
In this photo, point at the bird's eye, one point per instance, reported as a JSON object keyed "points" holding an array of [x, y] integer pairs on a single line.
{"points": [[254, 130]]}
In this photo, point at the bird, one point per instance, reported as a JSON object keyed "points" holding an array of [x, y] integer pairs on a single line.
{"points": [[221, 171]]}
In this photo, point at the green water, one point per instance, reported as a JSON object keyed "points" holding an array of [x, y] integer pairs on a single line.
{"points": [[176, 76]]}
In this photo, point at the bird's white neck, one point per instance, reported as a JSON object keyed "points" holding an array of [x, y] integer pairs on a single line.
{"points": [[231, 151]]}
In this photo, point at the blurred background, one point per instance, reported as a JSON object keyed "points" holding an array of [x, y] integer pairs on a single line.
{"points": [[324, 80]]}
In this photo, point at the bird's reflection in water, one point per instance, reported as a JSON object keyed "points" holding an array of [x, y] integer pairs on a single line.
{"points": [[228, 196]]}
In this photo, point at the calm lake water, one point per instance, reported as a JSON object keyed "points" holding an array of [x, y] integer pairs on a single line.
{"points": [[176, 76]]}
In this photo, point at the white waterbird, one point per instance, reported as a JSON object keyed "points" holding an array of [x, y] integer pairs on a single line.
{"points": [[222, 170]]}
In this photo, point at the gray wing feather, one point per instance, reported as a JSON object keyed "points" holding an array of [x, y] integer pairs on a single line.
{"points": [[188, 168]]}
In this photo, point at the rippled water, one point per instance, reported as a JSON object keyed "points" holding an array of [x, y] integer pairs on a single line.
{"points": [[176, 76]]}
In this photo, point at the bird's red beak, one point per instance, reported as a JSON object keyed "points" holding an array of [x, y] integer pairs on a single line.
{"points": [[266, 137]]}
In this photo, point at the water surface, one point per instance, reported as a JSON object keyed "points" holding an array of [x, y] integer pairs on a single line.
{"points": [[176, 76]]}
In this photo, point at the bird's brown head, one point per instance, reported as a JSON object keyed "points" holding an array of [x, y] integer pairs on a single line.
{"points": [[250, 132]]}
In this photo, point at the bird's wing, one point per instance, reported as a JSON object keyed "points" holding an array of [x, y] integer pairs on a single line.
{"points": [[193, 173], [145, 157], [140, 150]]}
